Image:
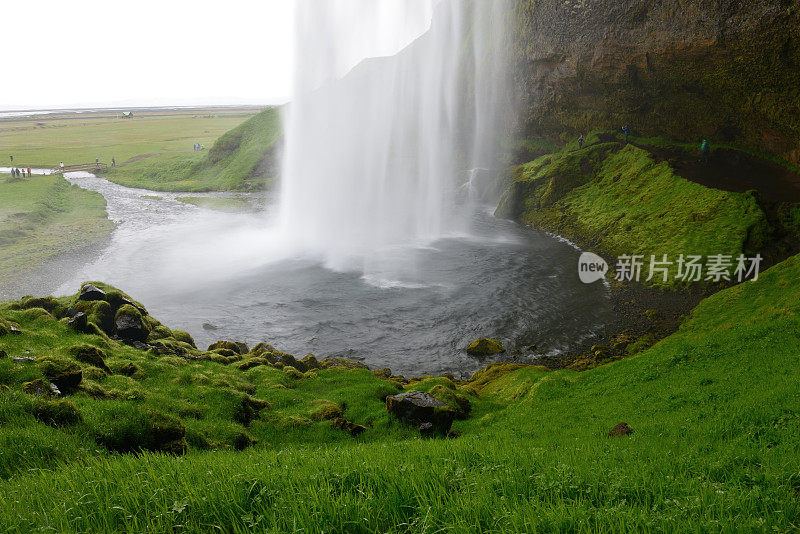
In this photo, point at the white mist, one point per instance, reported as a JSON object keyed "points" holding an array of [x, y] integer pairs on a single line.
{"points": [[377, 162]]}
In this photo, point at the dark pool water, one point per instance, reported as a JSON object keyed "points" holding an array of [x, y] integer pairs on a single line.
{"points": [[414, 311]]}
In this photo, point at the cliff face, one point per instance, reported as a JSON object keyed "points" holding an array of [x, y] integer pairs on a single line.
{"points": [[726, 70]]}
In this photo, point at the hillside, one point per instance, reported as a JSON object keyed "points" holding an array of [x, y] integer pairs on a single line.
{"points": [[245, 158]]}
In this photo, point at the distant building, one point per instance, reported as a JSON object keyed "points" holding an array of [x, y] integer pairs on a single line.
{"points": [[127, 114]]}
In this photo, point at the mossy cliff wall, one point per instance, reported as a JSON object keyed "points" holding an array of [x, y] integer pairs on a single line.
{"points": [[726, 70]]}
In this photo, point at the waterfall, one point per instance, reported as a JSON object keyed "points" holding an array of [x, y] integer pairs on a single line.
{"points": [[378, 154]]}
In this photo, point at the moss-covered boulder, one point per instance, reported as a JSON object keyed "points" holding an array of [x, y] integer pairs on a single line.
{"points": [[184, 337], [90, 292], [325, 410], [63, 373], [290, 361], [292, 372], [57, 413], [422, 410], [484, 346], [234, 346], [91, 355], [457, 402], [129, 324], [249, 409], [38, 388]]}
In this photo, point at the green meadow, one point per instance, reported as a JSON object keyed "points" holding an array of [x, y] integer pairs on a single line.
{"points": [[713, 408], [47, 142], [42, 217]]}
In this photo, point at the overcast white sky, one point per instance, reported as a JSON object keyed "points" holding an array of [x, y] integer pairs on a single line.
{"points": [[93, 53]]}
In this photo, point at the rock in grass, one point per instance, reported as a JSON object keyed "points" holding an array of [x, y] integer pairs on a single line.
{"points": [[290, 361], [56, 413], [78, 322], [67, 382], [129, 369], [351, 428], [485, 346], [25, 359], [620, 430], [91, 355], [37, 387], [129, 324], [233, 346], [326, 410], [418, 408], [91, 292], [457, 402]]}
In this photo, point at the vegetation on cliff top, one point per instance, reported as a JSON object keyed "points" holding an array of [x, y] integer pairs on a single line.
{"points": [[617, 200], [713, 409]]}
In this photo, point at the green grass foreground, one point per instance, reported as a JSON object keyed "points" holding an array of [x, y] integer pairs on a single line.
{"points": [[43, 216], [715, 410]]}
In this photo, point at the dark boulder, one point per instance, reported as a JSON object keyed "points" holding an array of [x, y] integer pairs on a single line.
{"points": [[129, 324], [426, 429], [79, 322], [417, 408], [91, 355], [68, 381], [620, 430], [351, 428], [91, 292], [3, 354], [290, 361]]}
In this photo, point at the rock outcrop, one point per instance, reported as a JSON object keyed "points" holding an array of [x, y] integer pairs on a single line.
{"points": [[728, 71], [422, 410], [484, 346]]}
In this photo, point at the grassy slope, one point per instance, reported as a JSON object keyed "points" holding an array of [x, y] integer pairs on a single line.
{"points": [[82, 140], [714, 408], [617, 200], [241, 159], [43, 216]]}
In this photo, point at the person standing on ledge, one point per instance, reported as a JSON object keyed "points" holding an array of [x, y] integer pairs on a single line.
{"points": [[12, 159], [580, 142], [626, 129], [704, 150], [113, 162]]}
